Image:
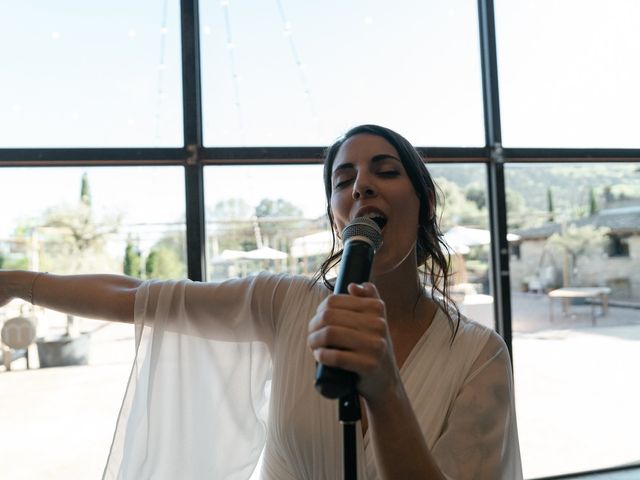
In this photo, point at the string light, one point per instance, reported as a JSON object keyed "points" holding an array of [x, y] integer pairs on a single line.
{"points": [[162, 66], [234, 74], [288, 32]]}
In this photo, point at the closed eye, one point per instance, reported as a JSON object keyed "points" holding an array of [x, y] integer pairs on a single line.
{"points": [[343, 183], [389, 173]]}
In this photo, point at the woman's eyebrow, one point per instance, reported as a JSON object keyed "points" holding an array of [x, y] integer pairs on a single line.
{"points": [[375, 159]]}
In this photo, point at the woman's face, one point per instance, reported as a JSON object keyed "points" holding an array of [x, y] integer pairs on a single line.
{"points": [[368, 179]]}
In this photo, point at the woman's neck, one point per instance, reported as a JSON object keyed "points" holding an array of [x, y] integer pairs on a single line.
{"points": [[401, 290]]}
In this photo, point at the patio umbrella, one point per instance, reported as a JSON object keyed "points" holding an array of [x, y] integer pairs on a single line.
{"points": [[470, 237], [266, 253], [233, 254]]}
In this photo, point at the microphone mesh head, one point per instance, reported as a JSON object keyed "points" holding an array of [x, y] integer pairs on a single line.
{"points": [[363, 227]]}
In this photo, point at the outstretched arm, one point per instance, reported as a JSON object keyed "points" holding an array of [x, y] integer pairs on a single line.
{"points": [[106, 297]]}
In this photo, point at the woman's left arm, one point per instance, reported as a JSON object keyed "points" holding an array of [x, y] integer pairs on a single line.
{"points": [[480, 438], [400, 448]]}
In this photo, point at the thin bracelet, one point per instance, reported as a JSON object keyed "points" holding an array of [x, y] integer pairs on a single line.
{"points": [[33, 283]]}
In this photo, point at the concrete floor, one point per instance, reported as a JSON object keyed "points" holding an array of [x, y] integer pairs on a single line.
{"points": [[577, 394]]}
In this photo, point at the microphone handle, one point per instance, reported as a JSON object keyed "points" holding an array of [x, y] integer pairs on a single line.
{"points": [[355, 267]]}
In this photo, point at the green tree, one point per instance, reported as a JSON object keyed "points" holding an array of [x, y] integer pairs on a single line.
{"points": [[476, 193], [164, 263], [277, 208], [576, 242], [593, 202], [455, 208], [132, 260], [516, 207], [74, 239], [231, 209], [85, 191], [230, 226], [278, 222], [550, 206]]}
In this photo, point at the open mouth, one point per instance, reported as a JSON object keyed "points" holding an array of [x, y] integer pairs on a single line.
{"points": [[380, 220]]}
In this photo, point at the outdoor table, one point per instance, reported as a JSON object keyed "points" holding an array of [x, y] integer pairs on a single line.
{"points": [[601, 293]]}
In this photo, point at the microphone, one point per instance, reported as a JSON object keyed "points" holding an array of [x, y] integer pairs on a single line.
{"points": [[361, 238]]}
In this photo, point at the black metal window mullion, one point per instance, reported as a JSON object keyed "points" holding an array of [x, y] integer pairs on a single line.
{"points": [[192, 118], [495, 173]]}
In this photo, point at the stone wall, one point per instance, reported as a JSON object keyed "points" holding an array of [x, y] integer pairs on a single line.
{"points": [[541, 268]]}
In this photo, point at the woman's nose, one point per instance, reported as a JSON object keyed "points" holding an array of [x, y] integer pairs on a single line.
{"points": [[362, 187]]}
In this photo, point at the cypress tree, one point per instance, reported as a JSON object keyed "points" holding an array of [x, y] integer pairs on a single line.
{"points": [[550, 207], [132, 262], [593, 202], [85, 192]]}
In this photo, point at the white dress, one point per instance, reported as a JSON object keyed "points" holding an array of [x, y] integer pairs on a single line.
{"points": [[223, 373]]}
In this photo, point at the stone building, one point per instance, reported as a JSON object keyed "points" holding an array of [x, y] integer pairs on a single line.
{"points": [[537, 264]]}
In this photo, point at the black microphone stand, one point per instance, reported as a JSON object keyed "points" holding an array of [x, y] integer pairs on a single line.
{"points": [[349, 414], [362, 237], [340, 384]]}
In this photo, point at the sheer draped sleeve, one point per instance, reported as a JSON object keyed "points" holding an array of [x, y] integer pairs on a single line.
{"points": [[480, 437], [196, 399]]}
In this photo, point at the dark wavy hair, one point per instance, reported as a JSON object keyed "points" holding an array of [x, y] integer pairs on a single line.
{"points": [[432, 259]]}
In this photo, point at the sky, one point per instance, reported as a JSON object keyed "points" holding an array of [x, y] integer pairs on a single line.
{"points": [[279, 73]]}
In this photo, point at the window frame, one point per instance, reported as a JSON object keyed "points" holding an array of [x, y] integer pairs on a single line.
{"points": [[193, 156]]}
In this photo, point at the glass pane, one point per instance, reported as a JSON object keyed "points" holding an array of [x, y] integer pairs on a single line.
{"points": [[79, 220], [569, 72], [250, 228], [575, 263], [302, 73], [464, 222], [97, 74]]}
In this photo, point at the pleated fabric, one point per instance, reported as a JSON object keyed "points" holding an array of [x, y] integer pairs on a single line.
{"points": [[223, 375]]}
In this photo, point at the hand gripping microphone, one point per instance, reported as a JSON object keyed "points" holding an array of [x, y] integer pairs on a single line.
{"points": [[361, 239]]}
